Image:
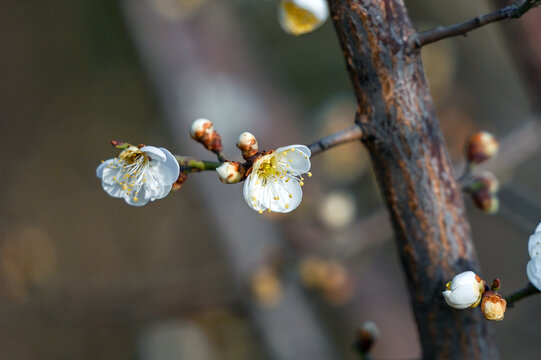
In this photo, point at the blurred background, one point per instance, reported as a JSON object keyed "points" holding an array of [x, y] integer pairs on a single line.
{"points": [[199, 275]]}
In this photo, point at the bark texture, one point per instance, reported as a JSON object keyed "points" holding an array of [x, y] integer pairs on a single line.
{"points": [[401, 131]]}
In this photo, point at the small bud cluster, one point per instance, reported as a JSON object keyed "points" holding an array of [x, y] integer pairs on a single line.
{"points": [[483, 186], [273, 179], [467, 290]]}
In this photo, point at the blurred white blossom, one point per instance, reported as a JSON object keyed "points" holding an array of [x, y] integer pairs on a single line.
{"points": [[298, 17], [533, 269]]}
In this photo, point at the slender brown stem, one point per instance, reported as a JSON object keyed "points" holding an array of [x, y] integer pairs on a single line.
{"points": [[521, 294], [441, 32], [344, 136]]}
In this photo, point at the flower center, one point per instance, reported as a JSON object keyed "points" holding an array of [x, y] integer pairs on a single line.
{"points": [[299, 20], [268, 169], [134, 163]]}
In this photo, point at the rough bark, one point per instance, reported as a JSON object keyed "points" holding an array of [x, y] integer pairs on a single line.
{"points": [[401, 131]]}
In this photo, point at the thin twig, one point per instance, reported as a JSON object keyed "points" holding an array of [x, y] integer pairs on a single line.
{"points": [[441, 32], [347, 135], [521, 294]]}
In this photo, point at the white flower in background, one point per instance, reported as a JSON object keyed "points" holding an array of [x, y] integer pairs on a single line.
{"points": [[533, 269], [139, 175], [464, 291], [298, 17], [275, 180]]}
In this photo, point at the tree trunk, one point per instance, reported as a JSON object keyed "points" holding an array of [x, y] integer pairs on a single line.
{"points": [[396, 113]]}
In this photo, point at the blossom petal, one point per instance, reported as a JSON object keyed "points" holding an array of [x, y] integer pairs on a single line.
{"points": [[154, 153], [533, 270], [464, 278], [141, 196], [171, 163], [252, 193], [462, 297], [534, 245], [538, 228], [294, 160]]}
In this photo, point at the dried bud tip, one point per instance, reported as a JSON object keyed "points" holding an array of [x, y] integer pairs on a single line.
{"points": [[493, 306], [200, 127], [182, 177], [365, 337], [247, 143], [230, 172], [486, 201], [121, 145], [496, 284], [481, 147]]}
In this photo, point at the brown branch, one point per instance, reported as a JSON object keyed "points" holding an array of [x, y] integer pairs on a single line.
{"points": [[412, 167], [521, 294], [344, 136], [442, 32]]}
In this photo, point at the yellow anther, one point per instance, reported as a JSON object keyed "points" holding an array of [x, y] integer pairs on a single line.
{"points": [[136, 199], [306, 157], [290, 160], [254, 198], [309, 174], [301, 183], [286, 206], [261, 211], [290, 196], [114, 178], [276, 198], [124, 187], [285, 154]]}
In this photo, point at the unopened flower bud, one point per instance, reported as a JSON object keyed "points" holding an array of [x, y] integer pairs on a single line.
{"points": [[203, 131], [481, 147], [230, 172], [486, 201], [365, 337], [200, 127], [247, 143], [486, 180], [464, 291], [493, 306], [496, 283]]}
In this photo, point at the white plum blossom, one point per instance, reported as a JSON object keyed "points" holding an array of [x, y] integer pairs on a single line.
{"points": [[139, 175], [275, 179], [464, 291], [533, 269], [298, 17]]}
